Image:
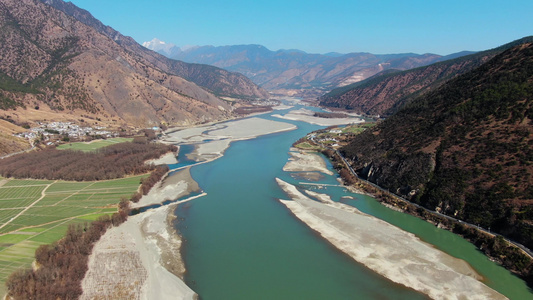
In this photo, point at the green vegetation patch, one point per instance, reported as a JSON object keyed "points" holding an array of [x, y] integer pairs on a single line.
{"points": [[356, 129], [53, 234], [21, 252], [8, 193], [47, 221], [115, 183], [33, 229], [93, 145], [54, 199], [25, 182], [67, 186], [8, 213], [32, 220], [16, 203], [92, 217], [13, 238], [307, 146]]}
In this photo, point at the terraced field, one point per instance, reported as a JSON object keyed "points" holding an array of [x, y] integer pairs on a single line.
{"points": [[36, 212]]}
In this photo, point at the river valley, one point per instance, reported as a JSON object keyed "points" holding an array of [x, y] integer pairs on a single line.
{"points": [[241, 242]]}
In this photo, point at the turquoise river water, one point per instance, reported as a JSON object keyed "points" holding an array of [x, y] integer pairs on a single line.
{"points": [[242, 243]]}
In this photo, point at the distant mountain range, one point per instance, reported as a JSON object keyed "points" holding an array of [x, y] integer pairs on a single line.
{"points": [[388, 91], [295, 72]]}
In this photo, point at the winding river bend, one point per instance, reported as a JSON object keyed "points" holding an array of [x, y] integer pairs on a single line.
{"points": [[242, 243]]}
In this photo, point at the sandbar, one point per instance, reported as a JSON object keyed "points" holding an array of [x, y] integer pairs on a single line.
{"points": [[395, 254], [239, 129], [209, 151], [166, 159], [303, 161], [306, 115], [282, 107], [212, 140], [250, 128]]}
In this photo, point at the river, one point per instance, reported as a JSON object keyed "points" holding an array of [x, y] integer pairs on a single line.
{"points": [[242, 243]]}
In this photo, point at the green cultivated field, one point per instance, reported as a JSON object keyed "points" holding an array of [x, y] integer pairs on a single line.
{"points": [[358, 128], [91, 146], [36, 212], [307, 146]]}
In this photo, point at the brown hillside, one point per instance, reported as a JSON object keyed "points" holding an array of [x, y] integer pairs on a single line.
{"points": [[385, 93], [52, 62], [213, 79], [465, 149]]}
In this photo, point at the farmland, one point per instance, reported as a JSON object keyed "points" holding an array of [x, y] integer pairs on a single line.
{"points": [[93, 145], [36, 212]]}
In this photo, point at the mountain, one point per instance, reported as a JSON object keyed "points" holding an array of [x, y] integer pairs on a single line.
{"points": [[386, 92], [162, 47], [456, 55], [215, 80], [55, 67], [8, 142], [297, 73], [464, 149]]}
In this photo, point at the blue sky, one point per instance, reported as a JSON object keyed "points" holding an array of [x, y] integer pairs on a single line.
{"points": [[315, 26]]}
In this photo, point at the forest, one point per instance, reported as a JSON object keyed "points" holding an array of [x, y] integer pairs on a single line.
{"points": [[331, 115], [110, 162]]}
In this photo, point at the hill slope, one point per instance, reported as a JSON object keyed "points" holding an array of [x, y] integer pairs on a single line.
{"points": [[215, 80], [54, 67], [386, 92], [465, 149]]}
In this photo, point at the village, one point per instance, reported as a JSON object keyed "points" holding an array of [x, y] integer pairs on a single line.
{"points": [[56, 132], [337, 136]]}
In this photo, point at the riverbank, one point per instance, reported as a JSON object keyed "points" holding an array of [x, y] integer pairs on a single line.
{"points": [[140, 259], [166, 159], [173, 186], [508, 254], [387, 250]]}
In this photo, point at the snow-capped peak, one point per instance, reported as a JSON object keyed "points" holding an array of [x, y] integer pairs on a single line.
{"points": [[154, 43], [161, 47]]}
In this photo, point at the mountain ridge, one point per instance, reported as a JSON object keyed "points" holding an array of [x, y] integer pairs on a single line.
{"points": [[55, 67], [297, 73], [386, 92], [217, 81]]}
